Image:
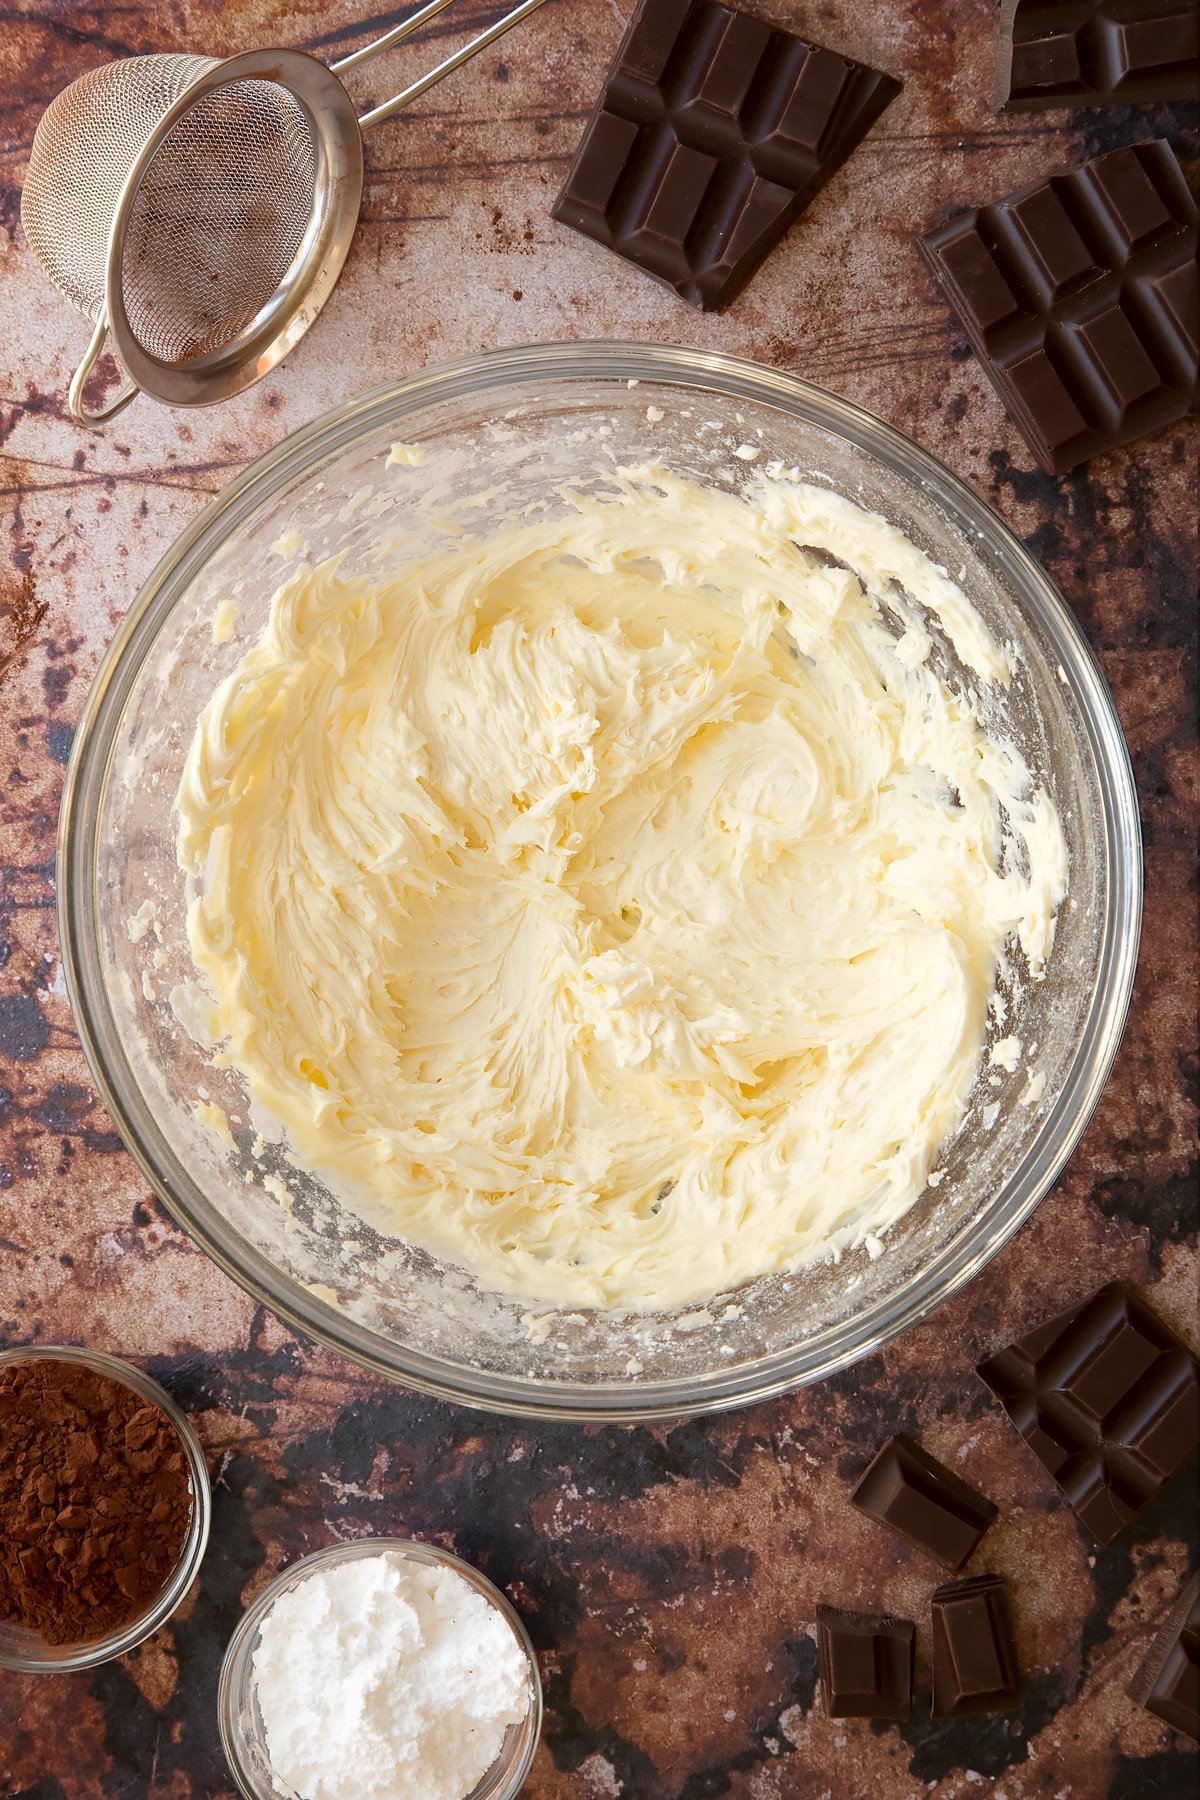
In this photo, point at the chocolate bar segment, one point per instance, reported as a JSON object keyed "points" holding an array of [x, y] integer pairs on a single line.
{"points": [[1168, 1682], [1109, 1399], [974, 1649], [1079, 296], [866, 1663], [925, 1502], [714, 132], [1097, 53]]}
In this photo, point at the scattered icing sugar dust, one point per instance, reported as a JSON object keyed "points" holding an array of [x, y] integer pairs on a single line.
{"points": [[386, 1679]]}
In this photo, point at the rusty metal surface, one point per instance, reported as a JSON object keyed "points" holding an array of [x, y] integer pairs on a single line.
{"points": [[669, 1575]]}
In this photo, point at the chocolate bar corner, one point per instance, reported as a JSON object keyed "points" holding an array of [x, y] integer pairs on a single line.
{"points": [[866, 1664], [1168, 1681], [1108, 1398], [1059, 53], [1078, 294], [714, 132], [913, 1494], [974, 1649]]}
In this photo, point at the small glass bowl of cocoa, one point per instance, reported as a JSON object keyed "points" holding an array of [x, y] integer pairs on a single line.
{"points": [[104, 1508]]}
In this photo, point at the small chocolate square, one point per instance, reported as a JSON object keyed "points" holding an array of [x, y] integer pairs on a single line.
{"points": [[866, 1663], [1099, 346], [1111, 341], [1041, 62], [714, 132], [1050, 245], [1132, 201], [1039, 387], [1168, 1682], [925, 1502], [973, 270], [974, 1649], [1096, 53], [1109, 1398]]}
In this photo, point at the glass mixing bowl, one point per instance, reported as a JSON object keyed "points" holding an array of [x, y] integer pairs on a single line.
{"points": [[517, 423]]}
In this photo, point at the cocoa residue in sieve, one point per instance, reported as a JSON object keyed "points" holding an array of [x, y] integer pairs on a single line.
{"points": [[95, 1500]]}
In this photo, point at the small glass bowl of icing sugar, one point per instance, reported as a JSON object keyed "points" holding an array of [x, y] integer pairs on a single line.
{"points": [[380, 1670]]}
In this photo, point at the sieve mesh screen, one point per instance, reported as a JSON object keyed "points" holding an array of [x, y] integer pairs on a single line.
{"points": [[86, 142], [219, 215], [220, 212]]}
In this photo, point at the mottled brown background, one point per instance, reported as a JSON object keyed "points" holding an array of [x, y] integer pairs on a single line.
{"points": [[669, 1575]]}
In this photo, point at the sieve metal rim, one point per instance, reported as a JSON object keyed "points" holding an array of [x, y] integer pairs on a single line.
{"points": [[337, 193]]}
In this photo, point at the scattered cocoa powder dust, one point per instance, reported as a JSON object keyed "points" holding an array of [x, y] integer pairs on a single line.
{"points": [[21, 612], [95, 1500]]}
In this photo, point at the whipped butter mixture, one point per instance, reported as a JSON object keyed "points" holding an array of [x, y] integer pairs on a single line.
{"points": [[613, 904]]}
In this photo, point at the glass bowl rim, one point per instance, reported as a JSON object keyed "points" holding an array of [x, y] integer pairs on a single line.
{"points": [[970, 1248], [170, 1596], [232, 1681]]}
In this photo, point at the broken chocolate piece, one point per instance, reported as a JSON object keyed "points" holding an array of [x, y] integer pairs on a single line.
{"points": [[974, 1649], [933, 1508], [713, 133], [1168, 1682], [1097, 53], [866, 1662], [1109, 1398], [1079, 296]]}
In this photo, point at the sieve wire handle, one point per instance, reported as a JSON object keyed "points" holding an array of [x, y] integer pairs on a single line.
{"points": [[91, 357], [396, 35], [447, 67]]}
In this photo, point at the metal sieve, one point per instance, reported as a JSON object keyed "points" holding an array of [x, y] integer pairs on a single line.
{"points": [[200, 210]]}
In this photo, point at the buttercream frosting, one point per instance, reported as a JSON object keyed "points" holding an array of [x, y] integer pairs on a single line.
{"points": [[612, 904]]}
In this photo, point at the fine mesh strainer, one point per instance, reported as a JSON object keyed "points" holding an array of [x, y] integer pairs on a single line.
{"points": [[201, 210]]}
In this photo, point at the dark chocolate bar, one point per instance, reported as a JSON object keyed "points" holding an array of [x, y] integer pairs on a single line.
{"points": [[1097, 53], [1079, 296], [712, 135], [1109, 1399], [866, 1663], [1168, 1682], [927, 1503], [974, 1649]]}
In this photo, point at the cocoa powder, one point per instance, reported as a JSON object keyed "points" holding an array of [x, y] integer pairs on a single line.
{"points": [[95, 1500]]}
